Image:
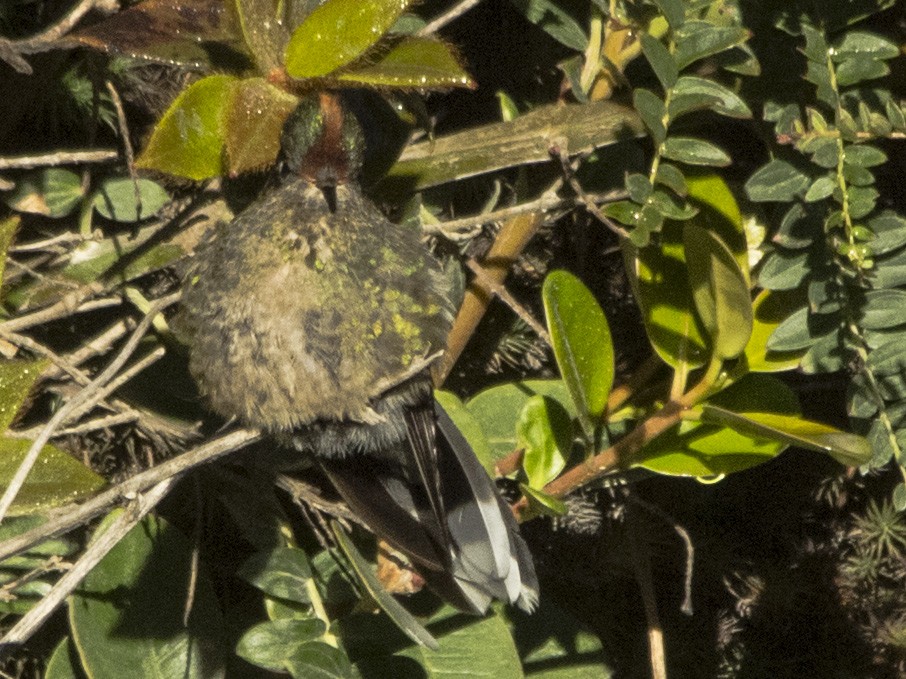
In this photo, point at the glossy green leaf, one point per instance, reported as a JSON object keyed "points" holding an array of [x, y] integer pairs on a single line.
{"points": [[692, 93], [661, 284], [294, 646], [582, 344], [523, 141], [673, 12], [720, 291], [253, 124], [423, 63], [651, 109], [776, 181], [53, 192], [127, 616], [17, 378], [859, 69], [189, 139], [282, 572], [770, 309], [124, 200], [719, 212], [544, 432], [820, 189], [498, 409], [471, 425], [863, 44], [848, 449], [704, 450], [697, 39], [337, 33], [661, 60], [695, 152], [863, 155], [403, 619], [883, 309]]}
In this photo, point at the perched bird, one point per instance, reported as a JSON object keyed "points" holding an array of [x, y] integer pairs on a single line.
{"points": [[316, 319]]}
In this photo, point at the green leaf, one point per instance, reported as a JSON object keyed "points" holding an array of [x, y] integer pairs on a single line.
{"points": [[541, 502], [253, 124], [695, 152], [673, 12], [269, 644], [826, 355], [719, 212], [820, 189], [544, 432], [127, 616], [189, 139], [720, 291], [863, 44], [582, 345], [282, 572], [424, 63], [52, 192], [651, 109], [62, 662], [848, 449], [497, 411], [671, 177], [467, 421], [784, 270], [692, 93], [793, 333], [863, 155], [318, 660], [661, 60], [697, 40], [776, 181], [403, 619], [858, 69], [8, 229], [124, 200], [56, 479], [263, 30], [883, 309], [638, 187], [889, 229], [661, 284], [550, 17], [16, 381], [889, 359], [337, 33], [769, 310], [706, 450]]}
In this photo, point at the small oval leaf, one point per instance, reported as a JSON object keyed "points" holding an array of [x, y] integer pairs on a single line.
{"points": [[423, 63]]}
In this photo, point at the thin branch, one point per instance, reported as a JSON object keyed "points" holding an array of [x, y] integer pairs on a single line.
{"points": [[58, 158], [72, 303], [97, 550], [453, 13], [75, 514], [641, 563], [73, 405], [589, 204]]}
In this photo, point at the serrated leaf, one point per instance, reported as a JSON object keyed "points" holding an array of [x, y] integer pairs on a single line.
{"points": [[337, 33], [692, 93], [127, 616], [720, 291], [582, 345], [662, 62], [253, 124], [52, 192], [848, 449], [695, 152], [776, 181], [544, 432], [17, 378], [189, 139], [423, 63], [116, 199]]}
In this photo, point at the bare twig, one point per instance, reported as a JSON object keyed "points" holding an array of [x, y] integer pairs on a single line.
{"points": [[97, 550], [72, 303], [75, 514], [453, 13], [58, 158], [62, 239], [589, 204], [500, 291], [73, 405], [642, 565]]}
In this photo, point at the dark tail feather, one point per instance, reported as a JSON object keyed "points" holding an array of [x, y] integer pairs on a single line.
{"points": [[476, 554]]}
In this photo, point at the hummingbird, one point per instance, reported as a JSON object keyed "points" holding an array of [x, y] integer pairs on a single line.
{"points": [[315, 319]]}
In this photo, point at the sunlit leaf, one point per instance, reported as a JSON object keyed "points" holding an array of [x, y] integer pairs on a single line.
{"points": [[189, 139], [691, 93], [253, 124], [337, 33], [544, 432], [423, 63], [264, 31], [698, 39], [695, 152], [776, 181], [17, 378], [770, 309], [470, 425], [582, 344], [541, 502], [124, 200]]}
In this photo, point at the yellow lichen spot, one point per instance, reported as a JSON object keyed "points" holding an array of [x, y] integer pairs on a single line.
{"points": [[377, 328]]}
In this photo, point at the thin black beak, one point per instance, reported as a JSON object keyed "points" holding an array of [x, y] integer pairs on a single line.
{"points": [[330, 195]]}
